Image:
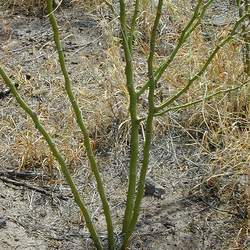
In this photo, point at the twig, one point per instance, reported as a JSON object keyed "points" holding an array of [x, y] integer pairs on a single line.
{"points": [[23, 175], [221, 210], [31, 187], [186, 32], [127, 41], [183, 90], [206, 98]]}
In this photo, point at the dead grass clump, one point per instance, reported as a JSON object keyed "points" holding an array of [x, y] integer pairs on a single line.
{"points": [[225, 187], [32, 152], [24, 6], [222, 122], [31, 7], [91, 5]]}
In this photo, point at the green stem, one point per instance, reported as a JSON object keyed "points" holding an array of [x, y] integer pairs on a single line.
{"points": [[244, 7], [79, 120], [148, 131], [133, 25], [134, 132], [203, 69], [57, 156], [206, 98], [194, 22], [186, 32]]}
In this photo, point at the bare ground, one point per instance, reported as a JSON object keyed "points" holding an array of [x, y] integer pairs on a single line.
{"points": [[37, 210]]}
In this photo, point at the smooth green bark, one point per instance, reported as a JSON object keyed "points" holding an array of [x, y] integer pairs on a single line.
{"points": [[203, 68], [79, 120], [127, 41], [149, 129], [57, 156], [134, 198], [199, 12]]}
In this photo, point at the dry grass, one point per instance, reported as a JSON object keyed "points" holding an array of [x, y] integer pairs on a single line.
{"points": [[23, 6], [34, 7], [221, 125]]}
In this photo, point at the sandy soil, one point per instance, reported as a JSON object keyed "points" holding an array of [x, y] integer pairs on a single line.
{"points": [[37, 210]]}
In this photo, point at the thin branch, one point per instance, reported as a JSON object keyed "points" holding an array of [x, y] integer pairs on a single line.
{"points": [[206, 98], [186, 32], [57, 156], [32, 187], [133, 25], [79, 120], [134, 130], [195, 21], [204, 67], [148, 130]]}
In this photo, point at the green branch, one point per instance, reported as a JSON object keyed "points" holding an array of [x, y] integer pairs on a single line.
{"points": [[186, 32], [133, 25], [244, 7], [134, 131], [79, 120], [148, 130], [204, 67], [57, 156], [206, 98]]}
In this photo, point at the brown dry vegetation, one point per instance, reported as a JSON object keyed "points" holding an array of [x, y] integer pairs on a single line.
{"points": [[219, 127]]}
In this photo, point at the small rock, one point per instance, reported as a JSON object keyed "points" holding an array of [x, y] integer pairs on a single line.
{"points": [[153, 188], [43, 213], [220, 21], [2, 222]]}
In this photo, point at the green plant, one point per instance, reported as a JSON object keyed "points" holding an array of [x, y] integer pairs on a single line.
{"points": [[135, 187], [244, 7]]}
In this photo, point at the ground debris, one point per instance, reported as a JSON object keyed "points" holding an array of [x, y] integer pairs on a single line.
{"points": [[153, 188]]}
